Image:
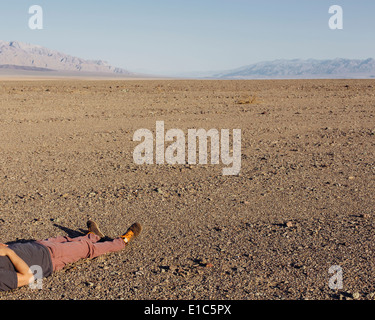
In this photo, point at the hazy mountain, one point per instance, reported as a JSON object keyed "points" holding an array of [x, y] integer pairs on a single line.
{"points": [[16, 57], [21, 56], [296, 69]]}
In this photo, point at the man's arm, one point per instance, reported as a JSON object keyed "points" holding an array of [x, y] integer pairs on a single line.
{"points": [[24, 275]]}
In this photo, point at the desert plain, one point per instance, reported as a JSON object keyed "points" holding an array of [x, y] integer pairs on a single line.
{"points": [[302, 202]]}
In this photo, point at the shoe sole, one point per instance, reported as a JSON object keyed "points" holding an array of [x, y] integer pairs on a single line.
{"points": [[93, 227]]}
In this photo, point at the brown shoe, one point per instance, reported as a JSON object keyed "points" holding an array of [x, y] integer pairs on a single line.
{"points": [[93, 227], [134, 230]]}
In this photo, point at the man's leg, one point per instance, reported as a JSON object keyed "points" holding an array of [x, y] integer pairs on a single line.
{"points": [[66, 250], [63, 239], [116, 244], [63, 253], [92, 228]]}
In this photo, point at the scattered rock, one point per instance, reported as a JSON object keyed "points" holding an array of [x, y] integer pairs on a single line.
{"points": [[356, 295], [173, 267], [365, 215], [289, 224], [158, 190]]}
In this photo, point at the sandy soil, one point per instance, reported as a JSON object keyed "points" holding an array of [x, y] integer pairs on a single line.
{"points": [[304, 199]]}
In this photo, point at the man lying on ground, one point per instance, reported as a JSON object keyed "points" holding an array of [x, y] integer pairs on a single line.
{"points": [[54, 254]]}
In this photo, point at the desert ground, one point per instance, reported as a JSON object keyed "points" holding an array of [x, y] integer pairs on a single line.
{"points": [[303, 201]]}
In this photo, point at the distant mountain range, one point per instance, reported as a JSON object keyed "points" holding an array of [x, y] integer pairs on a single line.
{"points": [[303, 69], [16, 55]]}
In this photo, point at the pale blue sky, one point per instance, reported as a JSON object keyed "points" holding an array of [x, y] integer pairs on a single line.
{"points": [[168, 36]]}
